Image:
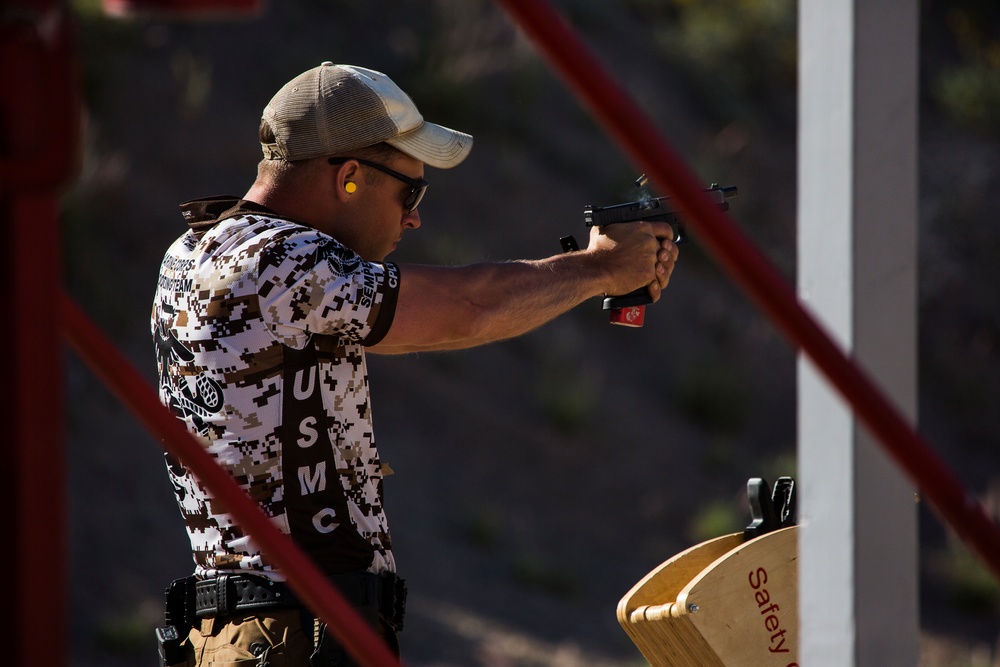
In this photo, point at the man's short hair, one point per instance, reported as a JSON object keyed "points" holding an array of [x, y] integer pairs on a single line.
{"points": [[276, 169]]}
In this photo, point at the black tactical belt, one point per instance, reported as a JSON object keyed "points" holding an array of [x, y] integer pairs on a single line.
{"points": [[191, 598], [227, 594]]}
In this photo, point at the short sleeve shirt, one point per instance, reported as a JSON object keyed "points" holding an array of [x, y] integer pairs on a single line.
{"points": [[260, 325]]}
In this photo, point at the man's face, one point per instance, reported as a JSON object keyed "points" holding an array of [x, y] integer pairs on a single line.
{"points": [[385, 217]]}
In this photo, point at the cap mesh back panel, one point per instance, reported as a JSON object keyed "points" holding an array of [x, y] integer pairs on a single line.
{"points": [[348, 115]]}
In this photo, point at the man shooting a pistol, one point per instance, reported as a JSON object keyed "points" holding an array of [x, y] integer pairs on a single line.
{"points": [[264, 311]]}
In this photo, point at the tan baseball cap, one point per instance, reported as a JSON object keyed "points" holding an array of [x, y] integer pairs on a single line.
{"points": [[334, 109]]}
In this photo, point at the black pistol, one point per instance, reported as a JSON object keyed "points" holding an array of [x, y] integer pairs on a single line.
{"points": [[629, 309]]}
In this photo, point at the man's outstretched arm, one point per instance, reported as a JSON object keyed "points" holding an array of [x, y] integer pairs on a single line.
{"points": [[444, 308]]}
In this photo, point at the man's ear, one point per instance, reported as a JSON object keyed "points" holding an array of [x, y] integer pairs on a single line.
{"points": [[347, 181]]}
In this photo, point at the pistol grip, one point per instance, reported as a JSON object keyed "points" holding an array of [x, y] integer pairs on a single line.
{"points": [[629, 316], [628, 310]]}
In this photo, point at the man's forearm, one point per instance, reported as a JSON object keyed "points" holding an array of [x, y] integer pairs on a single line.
{"points": [[451, 308]]}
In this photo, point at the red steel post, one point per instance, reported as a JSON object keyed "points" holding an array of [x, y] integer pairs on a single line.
{"points": [[39, 104], [36, 450]]}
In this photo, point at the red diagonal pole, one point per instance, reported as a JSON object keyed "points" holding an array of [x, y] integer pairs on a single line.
{"points": [[638, 137], [304, 577]]}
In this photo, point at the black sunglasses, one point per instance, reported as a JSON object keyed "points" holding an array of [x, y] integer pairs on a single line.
{"points": [[418, 185]]}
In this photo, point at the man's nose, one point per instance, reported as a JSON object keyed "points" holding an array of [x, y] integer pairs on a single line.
{"points": [[412, 219]]}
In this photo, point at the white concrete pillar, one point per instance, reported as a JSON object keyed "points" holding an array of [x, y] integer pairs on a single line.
{"points": [[857, 239]]}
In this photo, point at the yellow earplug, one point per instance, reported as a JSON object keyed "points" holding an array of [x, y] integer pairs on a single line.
{"points": [[351, 187]]}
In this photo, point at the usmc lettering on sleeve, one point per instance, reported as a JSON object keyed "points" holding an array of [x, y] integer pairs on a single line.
{"points": [[770, 613]]}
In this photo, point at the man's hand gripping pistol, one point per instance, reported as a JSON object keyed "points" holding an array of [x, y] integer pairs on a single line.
{"points": [[630, 309]]}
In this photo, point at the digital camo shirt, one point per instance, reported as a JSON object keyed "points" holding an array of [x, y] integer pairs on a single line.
{"points": [[259, 324]]}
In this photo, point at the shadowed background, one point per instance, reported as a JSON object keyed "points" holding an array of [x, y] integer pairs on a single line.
{"points": [[537, 479]]}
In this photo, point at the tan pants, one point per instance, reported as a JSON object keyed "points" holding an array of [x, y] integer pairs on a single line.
{"points": [[272, 639]]}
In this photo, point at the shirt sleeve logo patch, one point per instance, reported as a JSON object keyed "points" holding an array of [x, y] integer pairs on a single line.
{"points": [[343, 261]]}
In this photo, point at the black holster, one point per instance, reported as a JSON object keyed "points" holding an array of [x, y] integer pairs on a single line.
{"points": [[168, 642]]}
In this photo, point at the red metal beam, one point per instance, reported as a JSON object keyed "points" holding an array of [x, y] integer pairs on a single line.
{"points": [[138, 396], [36, 452], [40, 98], [39, 135], [622, 118]]}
